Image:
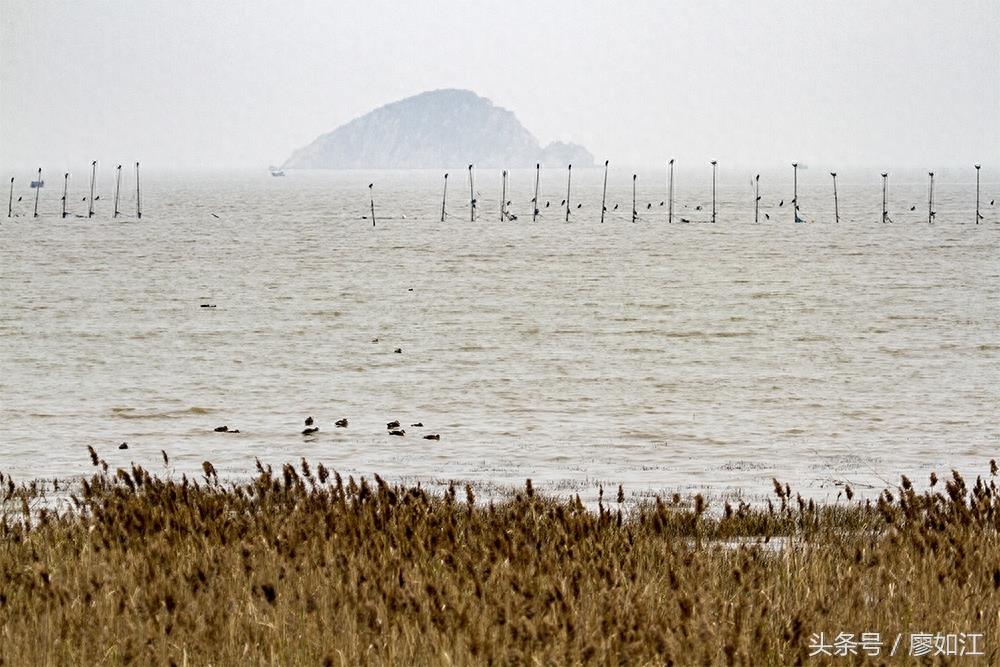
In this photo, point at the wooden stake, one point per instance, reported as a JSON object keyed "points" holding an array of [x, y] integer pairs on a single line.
{"points": [[444, 196], [538, 169], [885, 206], [670, 193], [977, 193], [756, 198], [472, 197], [37, 189], [65, 190], [795, 192], [503, 196], [93, 177], [604, 192], [569, 177], [10, 200], [930, 199], [635, 214], [118, 185], [138, 199], [714, 170], [836, 206], [371, 194]]}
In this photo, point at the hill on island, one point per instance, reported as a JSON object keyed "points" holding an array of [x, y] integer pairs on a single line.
{"points": [[440, 128]]}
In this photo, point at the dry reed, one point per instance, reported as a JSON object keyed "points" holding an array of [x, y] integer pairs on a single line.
{"points": [[300, 567]]}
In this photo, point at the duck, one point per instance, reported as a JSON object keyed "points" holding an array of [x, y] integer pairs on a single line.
{"points": [[393, 424], [222, 429], [397, 431], [310, 429], [432, 436], [124, 445], [417, 425], [341, 423], [398, 350]]}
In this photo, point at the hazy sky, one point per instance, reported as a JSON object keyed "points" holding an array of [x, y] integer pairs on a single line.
{"points": [[180, 83]]}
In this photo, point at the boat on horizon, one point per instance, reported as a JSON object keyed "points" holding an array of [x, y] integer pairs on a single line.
{"points": [[276, 171]]}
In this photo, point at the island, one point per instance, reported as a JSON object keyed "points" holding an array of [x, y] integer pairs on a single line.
{"points": [[435, 129]]}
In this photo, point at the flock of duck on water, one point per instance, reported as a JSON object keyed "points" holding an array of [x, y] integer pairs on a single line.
{"points": [[311, 428], [393, 428]]}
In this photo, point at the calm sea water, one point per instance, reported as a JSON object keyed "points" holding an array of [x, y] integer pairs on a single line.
{"points": [[691, 357]]}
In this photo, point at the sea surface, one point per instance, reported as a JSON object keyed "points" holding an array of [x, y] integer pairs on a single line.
{"points": [[690, 357]]}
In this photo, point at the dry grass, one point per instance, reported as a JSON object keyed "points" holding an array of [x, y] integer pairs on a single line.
{"points": [[303, 568]]}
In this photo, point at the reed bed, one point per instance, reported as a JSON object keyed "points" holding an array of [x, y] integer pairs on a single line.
{"points": [[302, 567]]}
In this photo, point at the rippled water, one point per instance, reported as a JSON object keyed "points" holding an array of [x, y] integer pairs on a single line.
{"points": [[686, 356]]}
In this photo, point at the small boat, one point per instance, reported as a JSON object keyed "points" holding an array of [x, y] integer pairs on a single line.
{"points": [[276, 171], [38, 184]]}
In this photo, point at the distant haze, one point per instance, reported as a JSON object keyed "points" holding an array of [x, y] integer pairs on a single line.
{"points": [[183, 84]]}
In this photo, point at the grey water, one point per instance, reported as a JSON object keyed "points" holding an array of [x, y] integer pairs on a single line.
{"points": [[691, 357]]}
